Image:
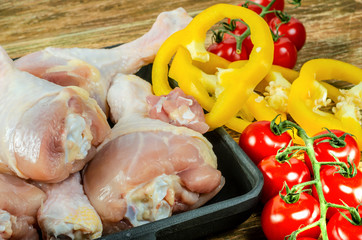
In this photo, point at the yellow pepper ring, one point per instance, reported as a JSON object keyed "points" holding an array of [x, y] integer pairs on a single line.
{"points": [[237, 83], [198, 83], [306, 89]]}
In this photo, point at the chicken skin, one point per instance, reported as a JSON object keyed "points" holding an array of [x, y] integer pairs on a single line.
{"points": [[67, 212], [48, 131], [19, 203]]}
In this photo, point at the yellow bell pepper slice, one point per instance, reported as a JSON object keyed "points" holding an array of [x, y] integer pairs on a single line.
{"points": [[191, 80], [277, 82], [235, 85], [200, 84], [308, 94], [256, 106]]}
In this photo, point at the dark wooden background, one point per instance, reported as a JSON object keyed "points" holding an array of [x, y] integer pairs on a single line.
{"points": [[333, 31], [333, 26]]}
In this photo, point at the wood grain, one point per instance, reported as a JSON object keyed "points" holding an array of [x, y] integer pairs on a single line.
{"points": [[28, 26], [333, 27], [333, 31]]}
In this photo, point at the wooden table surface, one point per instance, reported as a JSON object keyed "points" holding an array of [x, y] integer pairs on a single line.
{"points": [[333, 31]]}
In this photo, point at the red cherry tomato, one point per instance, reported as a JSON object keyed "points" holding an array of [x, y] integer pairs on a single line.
{"points": [[339, 189], [227, 49], [276, 173], [277, 5], [306, 238], [338, 228], [294, 30], [324, 152], [258, 141], [285, 53], [279, 219]]}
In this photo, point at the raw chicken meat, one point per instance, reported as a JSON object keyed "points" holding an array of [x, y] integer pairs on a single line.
{"points": [[48, 131], [130, 95], [67, 212], [19, 203], [93, 69], [147, 169], [127, 96], [178, 109]]}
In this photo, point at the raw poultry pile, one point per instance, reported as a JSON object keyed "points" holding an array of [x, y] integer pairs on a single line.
{"points": [[66, 170]]}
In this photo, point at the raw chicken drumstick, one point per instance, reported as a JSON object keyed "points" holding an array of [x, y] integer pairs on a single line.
{"points": [[67, 212], [131, 95], [48, 131], [19, 203], [147, 169], [93, 69]]}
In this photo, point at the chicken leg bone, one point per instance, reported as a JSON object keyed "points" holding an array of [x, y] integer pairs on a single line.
{"points": [[93, 69]]}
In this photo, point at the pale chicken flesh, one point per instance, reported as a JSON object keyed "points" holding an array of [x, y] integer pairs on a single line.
{"points": [[147, 169], [19, 203], [131, 95], [48, 131], [178, 109], [93, 69], [127, 96], [67, 212]]}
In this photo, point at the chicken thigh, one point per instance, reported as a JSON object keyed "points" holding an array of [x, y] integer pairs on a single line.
{"points": [[48, 131], [67, 211], [93, 69], [19, 203], [147, 169]]}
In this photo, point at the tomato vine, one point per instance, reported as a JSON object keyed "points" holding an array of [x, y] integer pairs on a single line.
{"points": [[347, 170]]}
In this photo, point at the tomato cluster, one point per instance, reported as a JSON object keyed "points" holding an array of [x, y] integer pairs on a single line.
{"points": [[265, 143], [288, 32]]}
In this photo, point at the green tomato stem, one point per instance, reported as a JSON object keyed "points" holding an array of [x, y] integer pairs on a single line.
{"points": [[342, 164], [338, 206], [356, 218], [257, 4], [322, 222], [299, 187], [335, 141], [264, 10], [322, 136], [288, 152], [345, 171], [239, 39], [318, 185], [294, 235], [297, 3]]}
